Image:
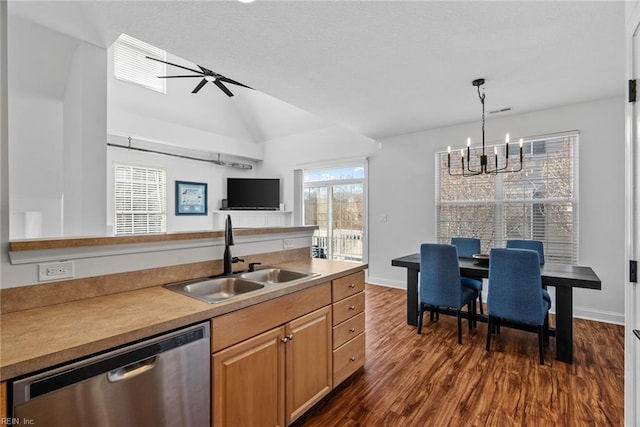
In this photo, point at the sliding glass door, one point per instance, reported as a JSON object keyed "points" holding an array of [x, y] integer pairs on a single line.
{"points": [[335, 200]]}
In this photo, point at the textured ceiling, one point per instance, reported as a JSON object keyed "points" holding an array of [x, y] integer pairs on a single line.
{"points": [[380, 68]]}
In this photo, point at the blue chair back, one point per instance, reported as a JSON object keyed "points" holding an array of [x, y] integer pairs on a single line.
{"points": [[440, 275], [467, 246], [534, 245], [515, 290]]}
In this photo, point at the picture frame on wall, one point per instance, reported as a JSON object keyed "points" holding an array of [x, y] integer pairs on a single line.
{"points": [[191, 198]]}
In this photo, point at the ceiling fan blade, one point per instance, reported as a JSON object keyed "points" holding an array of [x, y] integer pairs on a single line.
{"points": [[228, 80], [206, 70], [173, 77], [223, 87], [202, 83], [175, 65]]}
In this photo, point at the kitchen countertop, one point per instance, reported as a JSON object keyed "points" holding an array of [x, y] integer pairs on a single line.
{"points": [[39, 338]]}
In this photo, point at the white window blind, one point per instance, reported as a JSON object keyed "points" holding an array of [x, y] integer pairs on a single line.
{"points": [[130, 63], [539, 203], [140, 200]]}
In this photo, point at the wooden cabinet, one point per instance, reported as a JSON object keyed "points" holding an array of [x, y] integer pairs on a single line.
{"points": [[348, 325], [4, 404], [308, 362], [272, 378], [248, 382]]}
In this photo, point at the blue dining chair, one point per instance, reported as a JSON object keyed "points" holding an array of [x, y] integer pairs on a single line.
{"points": [[521, 303], [534, 245], [467, 247], [440, 285]]}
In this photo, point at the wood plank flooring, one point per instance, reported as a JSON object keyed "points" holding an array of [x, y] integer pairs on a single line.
{"points": [[428, 379]]}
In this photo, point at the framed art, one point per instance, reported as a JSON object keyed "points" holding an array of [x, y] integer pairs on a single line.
{"points": [[191, 198]]}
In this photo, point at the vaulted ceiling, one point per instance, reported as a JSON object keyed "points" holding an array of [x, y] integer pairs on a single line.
{"points": [[379, 68]]}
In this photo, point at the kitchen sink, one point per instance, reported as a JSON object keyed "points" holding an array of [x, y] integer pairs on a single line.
{"points": [[216, 290], [270, 276]]}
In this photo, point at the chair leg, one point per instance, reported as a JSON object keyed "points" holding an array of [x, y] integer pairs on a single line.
{"points": [[489, 331], [420, 313], [470, 313], [541, 343], [459, 327], [546, 329], [431, 314], [480, 302]]}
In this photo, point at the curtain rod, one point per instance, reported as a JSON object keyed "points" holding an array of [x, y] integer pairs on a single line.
{"points": [[218, 162]]}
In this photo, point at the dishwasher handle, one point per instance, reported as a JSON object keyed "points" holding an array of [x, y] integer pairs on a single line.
{"points": [[132, 370]]}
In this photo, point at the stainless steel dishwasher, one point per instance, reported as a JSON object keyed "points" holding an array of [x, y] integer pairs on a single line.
{"points": [[163, 381]]}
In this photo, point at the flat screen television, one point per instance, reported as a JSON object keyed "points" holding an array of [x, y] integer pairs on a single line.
{"points": [[253, 193]]}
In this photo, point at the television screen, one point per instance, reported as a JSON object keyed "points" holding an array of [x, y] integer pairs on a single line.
{"points": [[253, 193]]}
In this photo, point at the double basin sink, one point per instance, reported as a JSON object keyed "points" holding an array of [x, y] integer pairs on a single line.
{"points": [[223, 288]]}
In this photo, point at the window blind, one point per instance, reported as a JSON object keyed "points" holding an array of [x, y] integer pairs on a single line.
{"points": [[130, 63], [140, 200], [539, 203]]}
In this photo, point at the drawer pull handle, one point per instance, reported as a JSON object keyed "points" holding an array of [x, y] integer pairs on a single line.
{"points": [[352, 359], [352, 307], [287, 338], [352, 330], [352, 285]]}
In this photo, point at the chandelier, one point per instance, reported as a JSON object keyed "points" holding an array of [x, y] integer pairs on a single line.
{"points": [[484, 168]]}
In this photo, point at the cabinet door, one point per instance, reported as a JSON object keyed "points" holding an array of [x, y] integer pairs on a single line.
{"points": [[309, 361], [248, 382]]}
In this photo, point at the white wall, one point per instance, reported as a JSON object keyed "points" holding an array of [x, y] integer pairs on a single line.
{"points": [[84, 143], [283, 155], [402, 189], [56, 131], [177, 169], [35, 181]]}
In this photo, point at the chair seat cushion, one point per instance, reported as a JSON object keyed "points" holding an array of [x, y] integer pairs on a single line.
{"points": [[468, 295], [546, 296], [473, 284], [546, 304]]}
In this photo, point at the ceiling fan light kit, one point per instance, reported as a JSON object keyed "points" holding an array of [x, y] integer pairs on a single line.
{"points": [[484, 159], [206, 75]]}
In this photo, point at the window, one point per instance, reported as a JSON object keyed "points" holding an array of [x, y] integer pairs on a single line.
{"points": [[334, 200], [539, 203], [130, 63], [140, 200]]}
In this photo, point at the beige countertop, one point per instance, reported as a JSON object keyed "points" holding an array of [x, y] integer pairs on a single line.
{"points": [[35, 339]]}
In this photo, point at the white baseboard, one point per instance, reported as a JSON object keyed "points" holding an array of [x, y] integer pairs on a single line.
{"points": [[598, 315], [578, 312], [399, 284]]}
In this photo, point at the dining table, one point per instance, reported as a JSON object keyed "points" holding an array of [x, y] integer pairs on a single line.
{"points": [[564, 278]]}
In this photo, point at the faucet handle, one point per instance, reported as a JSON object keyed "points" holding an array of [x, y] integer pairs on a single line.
{"points": [[252, 265], [236, 259]]}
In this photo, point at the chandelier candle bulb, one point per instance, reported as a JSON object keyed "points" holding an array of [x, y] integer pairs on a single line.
{"points": [[521, 152]]}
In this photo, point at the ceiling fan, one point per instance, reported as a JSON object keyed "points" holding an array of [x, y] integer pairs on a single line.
{"points": [[206, 75]]}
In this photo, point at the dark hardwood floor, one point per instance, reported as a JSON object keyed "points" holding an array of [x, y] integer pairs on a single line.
{"points": [[428, 379]]}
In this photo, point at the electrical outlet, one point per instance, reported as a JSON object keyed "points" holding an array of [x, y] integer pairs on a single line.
{"points": [[288, 244], [55, 271]]}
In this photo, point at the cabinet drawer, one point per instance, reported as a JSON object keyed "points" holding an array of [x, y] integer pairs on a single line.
{"points": [[347, 330], [347, 286], [237, 326], [347, 308], [348, 358]]}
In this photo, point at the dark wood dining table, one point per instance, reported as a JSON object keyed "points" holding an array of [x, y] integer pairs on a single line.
{"points": [[564, 278]]}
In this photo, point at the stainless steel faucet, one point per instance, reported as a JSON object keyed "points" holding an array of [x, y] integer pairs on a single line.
{"points": [[228, 241]]}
